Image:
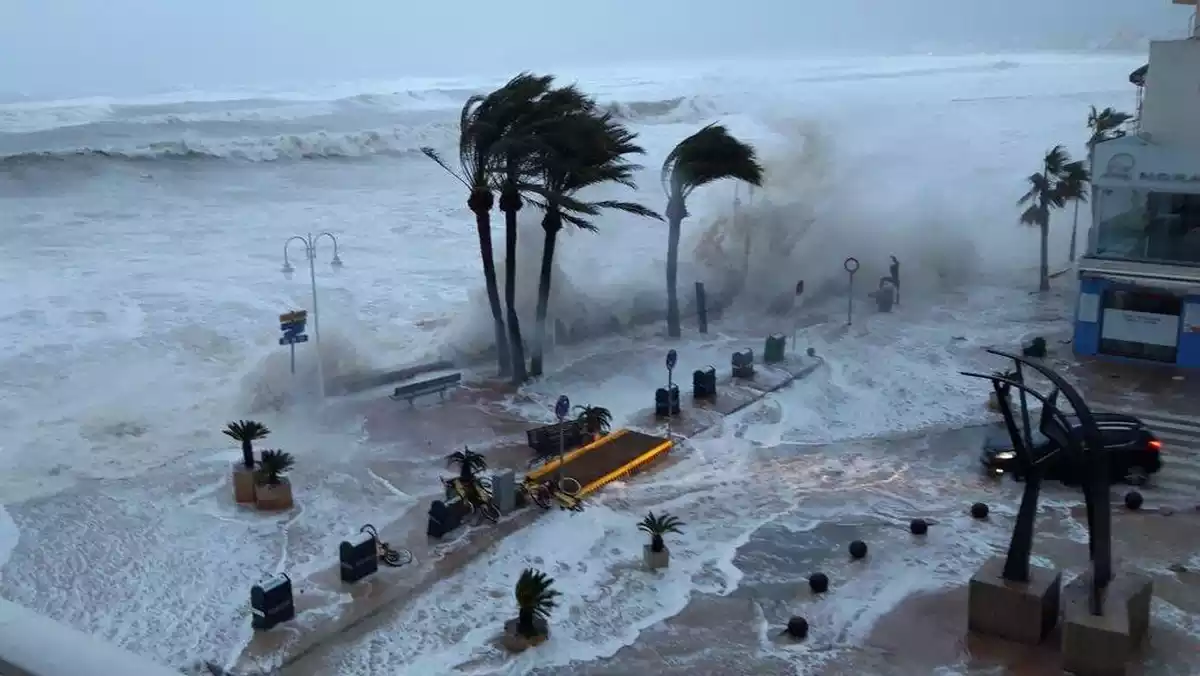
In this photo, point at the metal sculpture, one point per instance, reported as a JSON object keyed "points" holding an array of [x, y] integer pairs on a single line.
{"points": [[1084, 449]]}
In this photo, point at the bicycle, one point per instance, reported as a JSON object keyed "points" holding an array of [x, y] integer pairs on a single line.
{"points": [[386, 553], [485, 509], [565, 492]]}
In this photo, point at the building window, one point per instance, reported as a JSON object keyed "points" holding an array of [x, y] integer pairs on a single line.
{"points": [[1141, 324], [1147, 226]]}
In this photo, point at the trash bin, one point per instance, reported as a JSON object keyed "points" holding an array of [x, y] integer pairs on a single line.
{"points": [[271, 602], [704, 383], [665, 403], [776, 349], [743, 363], [359, 555], [885, 297]]}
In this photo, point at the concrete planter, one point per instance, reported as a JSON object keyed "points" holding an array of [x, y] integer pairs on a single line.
{"points": [[655, 560], [516, 643], [274, 498], [243, 484]]}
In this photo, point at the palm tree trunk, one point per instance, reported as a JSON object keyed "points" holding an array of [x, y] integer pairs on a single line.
{"points": [[1044, 285], [1074, 230], [510, 204], [551, 223], [483, 228], [248, 454], [525, 623], [673, 277]]}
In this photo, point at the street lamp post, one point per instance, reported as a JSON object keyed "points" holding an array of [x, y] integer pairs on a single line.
{"points": [[310, 251]]}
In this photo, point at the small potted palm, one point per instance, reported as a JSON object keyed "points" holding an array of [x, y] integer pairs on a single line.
{"points": [[656, 553], [273, 491], [596, 420], [536, 597], [245, 432], [470, 465]]}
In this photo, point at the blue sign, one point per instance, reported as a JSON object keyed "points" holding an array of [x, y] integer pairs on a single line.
{"points": [[672, 359], [292, 325], [562, 407]]}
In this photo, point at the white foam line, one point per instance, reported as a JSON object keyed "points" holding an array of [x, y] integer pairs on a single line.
{"points": [[388, 485]]}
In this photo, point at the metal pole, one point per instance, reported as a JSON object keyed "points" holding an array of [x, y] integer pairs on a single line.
{"points": [[312, 276], [672, 359], [293, 350], [850, 265], [561, 408]]}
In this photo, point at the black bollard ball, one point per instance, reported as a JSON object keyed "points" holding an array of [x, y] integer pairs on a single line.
{"points": [[1133, 500], [918, 527], [818, 583], [858, 549], [797, 628], [979, 510]]}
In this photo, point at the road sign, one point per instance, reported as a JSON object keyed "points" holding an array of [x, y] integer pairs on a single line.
{"points": [[672, 358], [292, 340], [294, 316]]}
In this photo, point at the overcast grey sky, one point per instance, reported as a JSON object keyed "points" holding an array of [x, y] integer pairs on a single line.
{"points": [[76, 47]]}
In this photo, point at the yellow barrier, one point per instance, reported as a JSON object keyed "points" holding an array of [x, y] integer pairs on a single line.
{"points": [[625, 469], [553, 465]]}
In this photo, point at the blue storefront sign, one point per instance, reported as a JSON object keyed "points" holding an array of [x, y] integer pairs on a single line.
{"points": [[1108, 325]]}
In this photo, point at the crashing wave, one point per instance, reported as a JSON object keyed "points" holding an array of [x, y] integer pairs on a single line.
{"points": [[315, 146]]}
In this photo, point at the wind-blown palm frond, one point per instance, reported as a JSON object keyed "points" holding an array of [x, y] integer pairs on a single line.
{"points": [[1106, 124], [536, 597], [709, 155], [468, 462]]}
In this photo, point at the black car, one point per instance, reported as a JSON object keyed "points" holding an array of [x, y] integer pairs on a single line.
{"points": [[1134, 452]]}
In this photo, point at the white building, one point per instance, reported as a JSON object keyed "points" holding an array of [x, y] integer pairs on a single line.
{"points": [[1140, 278]]}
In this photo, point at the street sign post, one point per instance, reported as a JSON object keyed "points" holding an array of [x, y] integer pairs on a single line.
{"points": [[672, 359], [561, 408], [851, 266], [292, 325]]}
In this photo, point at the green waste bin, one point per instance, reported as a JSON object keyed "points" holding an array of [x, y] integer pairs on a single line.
{"points": [[776, 349]]}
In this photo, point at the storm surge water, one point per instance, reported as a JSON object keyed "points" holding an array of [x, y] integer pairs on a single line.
{"points": [[140, 289]]}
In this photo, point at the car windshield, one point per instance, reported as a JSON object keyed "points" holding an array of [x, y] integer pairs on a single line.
{"points": [[997, 437]]}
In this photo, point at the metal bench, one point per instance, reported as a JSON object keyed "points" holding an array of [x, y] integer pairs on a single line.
{"points": [[546, 440], [437, 386]]}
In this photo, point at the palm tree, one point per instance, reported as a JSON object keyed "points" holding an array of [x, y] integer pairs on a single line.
{"points": [[1060, 181], [274, 465], [536, 597], [1105, 125], [709, 155], [596, 420], [658, 526], [589, 148], [469, 464], [246, 432], [484, 127], [533, 110]]}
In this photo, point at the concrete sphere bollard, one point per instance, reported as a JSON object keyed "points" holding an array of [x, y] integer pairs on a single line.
{"points": [[918, 527], [858, 549], [818, 582], [797, 628], [979, 510], [1133, 500]]}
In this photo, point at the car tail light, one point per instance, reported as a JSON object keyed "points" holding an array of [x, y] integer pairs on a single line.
{"points": [[1154, 445]]}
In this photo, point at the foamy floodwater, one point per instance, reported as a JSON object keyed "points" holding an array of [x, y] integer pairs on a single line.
{"points": [[139, 291]]}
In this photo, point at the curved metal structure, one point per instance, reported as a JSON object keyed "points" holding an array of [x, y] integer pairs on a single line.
{"points": [[1085, 449]]}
